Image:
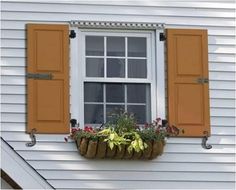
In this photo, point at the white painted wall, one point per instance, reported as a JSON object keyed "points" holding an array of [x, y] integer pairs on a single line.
{"points": [[184, 164]]}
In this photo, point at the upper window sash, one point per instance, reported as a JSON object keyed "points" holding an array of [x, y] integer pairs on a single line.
{"points": [[107, 33]]}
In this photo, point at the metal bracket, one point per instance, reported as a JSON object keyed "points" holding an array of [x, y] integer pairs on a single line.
{"points": [[204, 141], [72, 34], [33, 138], [206, 80], [42, 76], [202, 80], [162, 37], [73, 122]]}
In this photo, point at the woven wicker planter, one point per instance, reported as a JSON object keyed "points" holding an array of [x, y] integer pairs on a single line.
{"points": [[98, 149]]}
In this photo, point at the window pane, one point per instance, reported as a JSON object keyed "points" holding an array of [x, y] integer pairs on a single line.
{"points": [[112, 111], [93, 92], [94, 67], [136, 93], [139, 112], [137, 68], [115, 93], [115, 46], [137, 47], [93, 114], [94, 45], [116, 68]]}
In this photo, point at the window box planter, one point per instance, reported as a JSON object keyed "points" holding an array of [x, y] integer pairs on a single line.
{"points": [[123, 139], [98, 149]]}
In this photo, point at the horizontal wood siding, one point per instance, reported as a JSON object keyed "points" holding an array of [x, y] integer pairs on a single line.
{"points": [[184, 163]]}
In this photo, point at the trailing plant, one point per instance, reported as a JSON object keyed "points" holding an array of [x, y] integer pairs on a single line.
{"points": [[124, 131], [158, 130]]}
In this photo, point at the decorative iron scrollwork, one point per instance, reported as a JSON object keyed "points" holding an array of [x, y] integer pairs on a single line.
{"points": [[204, 141], [33, 138]]}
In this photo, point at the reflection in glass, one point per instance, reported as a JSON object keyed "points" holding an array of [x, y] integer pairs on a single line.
{"points": [[136, 93], [137, 68], [115, 46], [93, 114], [93, 92], [94, 45], [136, 47], [115, 93], [116, 68], [112, 111], [139, 112], [94, 67]]}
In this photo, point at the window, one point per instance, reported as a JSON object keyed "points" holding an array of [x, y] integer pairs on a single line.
{"points": [[52, 114], [114, 71]]}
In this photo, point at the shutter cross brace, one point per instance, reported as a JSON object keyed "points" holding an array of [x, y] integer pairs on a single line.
{"points": [[33, 138]]}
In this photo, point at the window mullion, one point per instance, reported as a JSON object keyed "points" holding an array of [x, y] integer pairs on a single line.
{"points": [[126, 109], [104, 103], [126, 59], [105, 57]]}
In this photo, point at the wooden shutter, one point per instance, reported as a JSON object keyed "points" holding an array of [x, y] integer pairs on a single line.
{"points": [[48, 99], [188, 88]]}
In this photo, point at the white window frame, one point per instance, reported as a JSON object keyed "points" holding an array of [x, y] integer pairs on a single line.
{"points": [[157, 70]]}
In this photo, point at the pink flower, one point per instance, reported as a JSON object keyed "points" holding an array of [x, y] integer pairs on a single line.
{"points": [[88, 129], [73, 130]]}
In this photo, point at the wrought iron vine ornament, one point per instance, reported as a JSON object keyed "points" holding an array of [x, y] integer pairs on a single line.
{"points": [[204, 141], [33, 138]]}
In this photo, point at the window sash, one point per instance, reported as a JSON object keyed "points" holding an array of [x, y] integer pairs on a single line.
{"points": [[124, 103], [125, 79], [156, 80]]}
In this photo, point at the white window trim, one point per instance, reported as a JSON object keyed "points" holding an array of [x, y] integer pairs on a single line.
{"points": [[78, 76], [160, 75]]}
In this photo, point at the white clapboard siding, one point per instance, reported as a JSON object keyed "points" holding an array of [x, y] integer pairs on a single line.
{"points": [[9, 83], [167, 157], [184, 164], [217, 36], [21, 108], [170, 148], [121, 10], [13, 62], [96, 184], [19, 117], [22, 136], [216, 130], [131, 165], [100, 175]]}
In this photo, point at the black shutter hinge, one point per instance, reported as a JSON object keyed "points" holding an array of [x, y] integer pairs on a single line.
{"points": [[162, 37], [73, 122], [72, 34]]}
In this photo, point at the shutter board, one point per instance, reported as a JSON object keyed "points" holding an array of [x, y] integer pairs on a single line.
{"points": [[48, 100], [188, 100]]}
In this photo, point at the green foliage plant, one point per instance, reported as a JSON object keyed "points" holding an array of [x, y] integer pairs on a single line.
{"points": [[123, 130]]}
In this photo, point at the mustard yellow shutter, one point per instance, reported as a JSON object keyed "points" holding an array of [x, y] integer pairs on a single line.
{"points": [[47, 78], [188, 87]]}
